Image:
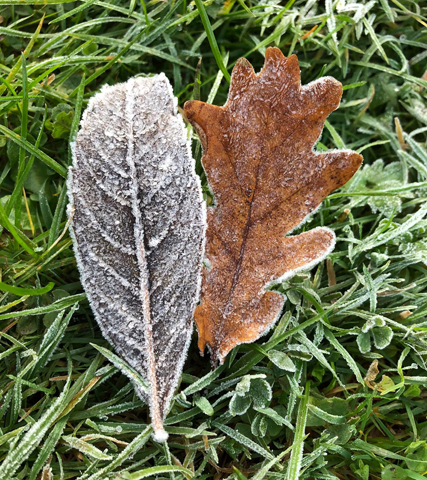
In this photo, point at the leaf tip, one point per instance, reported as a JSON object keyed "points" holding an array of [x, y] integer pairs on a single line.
{"points": [[274, 53], [243, 68], [160, 435]]}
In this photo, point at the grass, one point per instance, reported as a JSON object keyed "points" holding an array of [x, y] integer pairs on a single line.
{"points": [[338, 389]]}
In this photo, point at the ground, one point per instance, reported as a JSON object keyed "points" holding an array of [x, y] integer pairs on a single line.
{"points": [[337, 390]]}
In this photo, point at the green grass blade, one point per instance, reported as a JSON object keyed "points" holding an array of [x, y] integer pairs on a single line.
{"points": [[53, 307], [26, 291], [294, 466], [34, 435], [130, 450], [17, 234], [211, 38], [49, 161], [124, 367], [148, 472]]}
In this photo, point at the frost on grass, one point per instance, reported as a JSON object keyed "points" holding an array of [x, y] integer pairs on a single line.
{"points": [[266, 178], [383, 178], [138, 230]]}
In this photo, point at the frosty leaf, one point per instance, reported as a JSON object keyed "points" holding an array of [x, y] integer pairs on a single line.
{"points": [[138, 230], [327, 417], [239, 405], [205, 406], [259, 426], [382, 337], [364, 342], [260, 392], [416, 250], [266, 178], [342, 433], [301, 352], [243, 387], [281, 360], [375, 321], [386, 205], [379, 177], [252, 388], [378, 259], [374, 331], [386, 178], [275, 416], [86, 448], [326, 410]]}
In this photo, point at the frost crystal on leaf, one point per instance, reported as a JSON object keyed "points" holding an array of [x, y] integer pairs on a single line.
{"points": [[138, 229], [259, 160]]}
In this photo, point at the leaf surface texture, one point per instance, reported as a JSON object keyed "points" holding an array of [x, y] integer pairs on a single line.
{"points": [[259, 160], [138, 230]]}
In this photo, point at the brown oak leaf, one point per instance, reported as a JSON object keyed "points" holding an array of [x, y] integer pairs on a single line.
{"points": [[259, 160]]}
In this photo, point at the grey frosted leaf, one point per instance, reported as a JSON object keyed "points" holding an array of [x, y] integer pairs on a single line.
{"points": [[138, 225]]}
